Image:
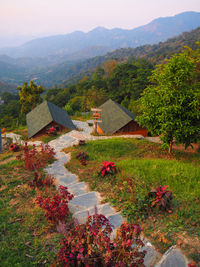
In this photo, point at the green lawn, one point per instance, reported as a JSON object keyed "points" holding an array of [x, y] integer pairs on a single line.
{"points": [[26, 239], [142, 166]]}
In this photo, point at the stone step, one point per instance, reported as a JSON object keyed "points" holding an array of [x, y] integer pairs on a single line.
{"points": [[116, 220], [66, 179], [151, 256], [62, 157], [54, 170], [83, 202], [173, 257], [104, 209], [78, 189]]}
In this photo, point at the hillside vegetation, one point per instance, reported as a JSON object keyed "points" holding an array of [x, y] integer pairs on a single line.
{"points": [[5, 87], [142, 166], [68, 69]]}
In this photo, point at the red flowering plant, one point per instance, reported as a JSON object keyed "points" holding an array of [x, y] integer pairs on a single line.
{"points": [[31, 160], [81, 142], [160, 197], [14, 147], [127, 247], [84, 244], [38, 181], [46, 153], [108, 168], [90, 244], [56, 209], [82, 156], [52, 131], [35, 159], [193, 264]]}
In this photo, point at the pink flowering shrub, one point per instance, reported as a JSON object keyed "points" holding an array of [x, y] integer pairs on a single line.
{"points": [[161, 197], [194, 264], [52, 131], [107, 168], [39, 182], [56, 209], [90, 244], [35, 159], [14, 147], [82, 156], [81, 142]]}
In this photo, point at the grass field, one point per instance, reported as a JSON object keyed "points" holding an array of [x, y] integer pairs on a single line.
{"points": [[26, 238], [142, 166]]}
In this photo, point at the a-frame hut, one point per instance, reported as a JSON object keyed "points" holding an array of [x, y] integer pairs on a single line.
{"points": [[45, 116], [118, 120]]}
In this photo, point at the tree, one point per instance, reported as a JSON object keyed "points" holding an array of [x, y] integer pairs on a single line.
{"points": [[29, 96], [170, 107], [7, 97], [128, 80], [109, 66]]}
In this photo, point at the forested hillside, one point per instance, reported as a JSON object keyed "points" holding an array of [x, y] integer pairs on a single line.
{"points": [[154, 53], [66, 70], [4, 87], [69, 73], [121, 75]]}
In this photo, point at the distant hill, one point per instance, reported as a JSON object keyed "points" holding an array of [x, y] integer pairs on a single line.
{"points": [[54, 70], [61, 45], [154, 53], [4, 87]]}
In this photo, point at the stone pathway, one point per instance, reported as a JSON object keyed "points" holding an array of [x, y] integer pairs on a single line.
{"points": [[84, 202]]}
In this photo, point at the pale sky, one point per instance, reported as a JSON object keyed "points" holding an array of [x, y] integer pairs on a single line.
{"points": [[48, 17]]}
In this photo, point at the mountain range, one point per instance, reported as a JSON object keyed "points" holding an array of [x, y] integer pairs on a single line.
{"points": [[156, 31], [57, 59]]}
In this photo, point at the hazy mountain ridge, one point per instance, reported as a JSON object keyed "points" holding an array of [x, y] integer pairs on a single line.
{"points": [[158, 30], [68, 72], [67, 69], [154, 53], [4, 87]]}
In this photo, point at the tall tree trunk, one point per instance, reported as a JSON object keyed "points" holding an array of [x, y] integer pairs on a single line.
{"points": [[170, 146]]}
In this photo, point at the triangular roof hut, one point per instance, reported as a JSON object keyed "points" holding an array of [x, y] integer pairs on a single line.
{"points": [[46, 115], [118, 120]]}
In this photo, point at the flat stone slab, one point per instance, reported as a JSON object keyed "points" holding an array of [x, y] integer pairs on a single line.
{"points": [[78, 189], [104, 209], [83, 202], [54, 170], [116, 220], [66, 179], [152, 256], [62, 157], [173, 258]]}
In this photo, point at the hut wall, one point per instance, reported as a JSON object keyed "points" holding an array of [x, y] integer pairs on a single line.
{"points": [[44, 130], [99, 130], [132, 128]]}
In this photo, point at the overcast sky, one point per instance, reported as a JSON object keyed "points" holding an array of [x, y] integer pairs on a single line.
{"points": [[47, 17]]}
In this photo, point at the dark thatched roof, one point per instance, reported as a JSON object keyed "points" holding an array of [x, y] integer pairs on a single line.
{"points": [[44, 114], [114, 117]]}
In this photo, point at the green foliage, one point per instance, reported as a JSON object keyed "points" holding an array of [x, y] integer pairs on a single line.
{"points": [[122, 82], [140, 170], [7, 97], [170, 107], [58, 96], [128, 80], [23, 227], [5, 87], [10, 116], [29, 96]]}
